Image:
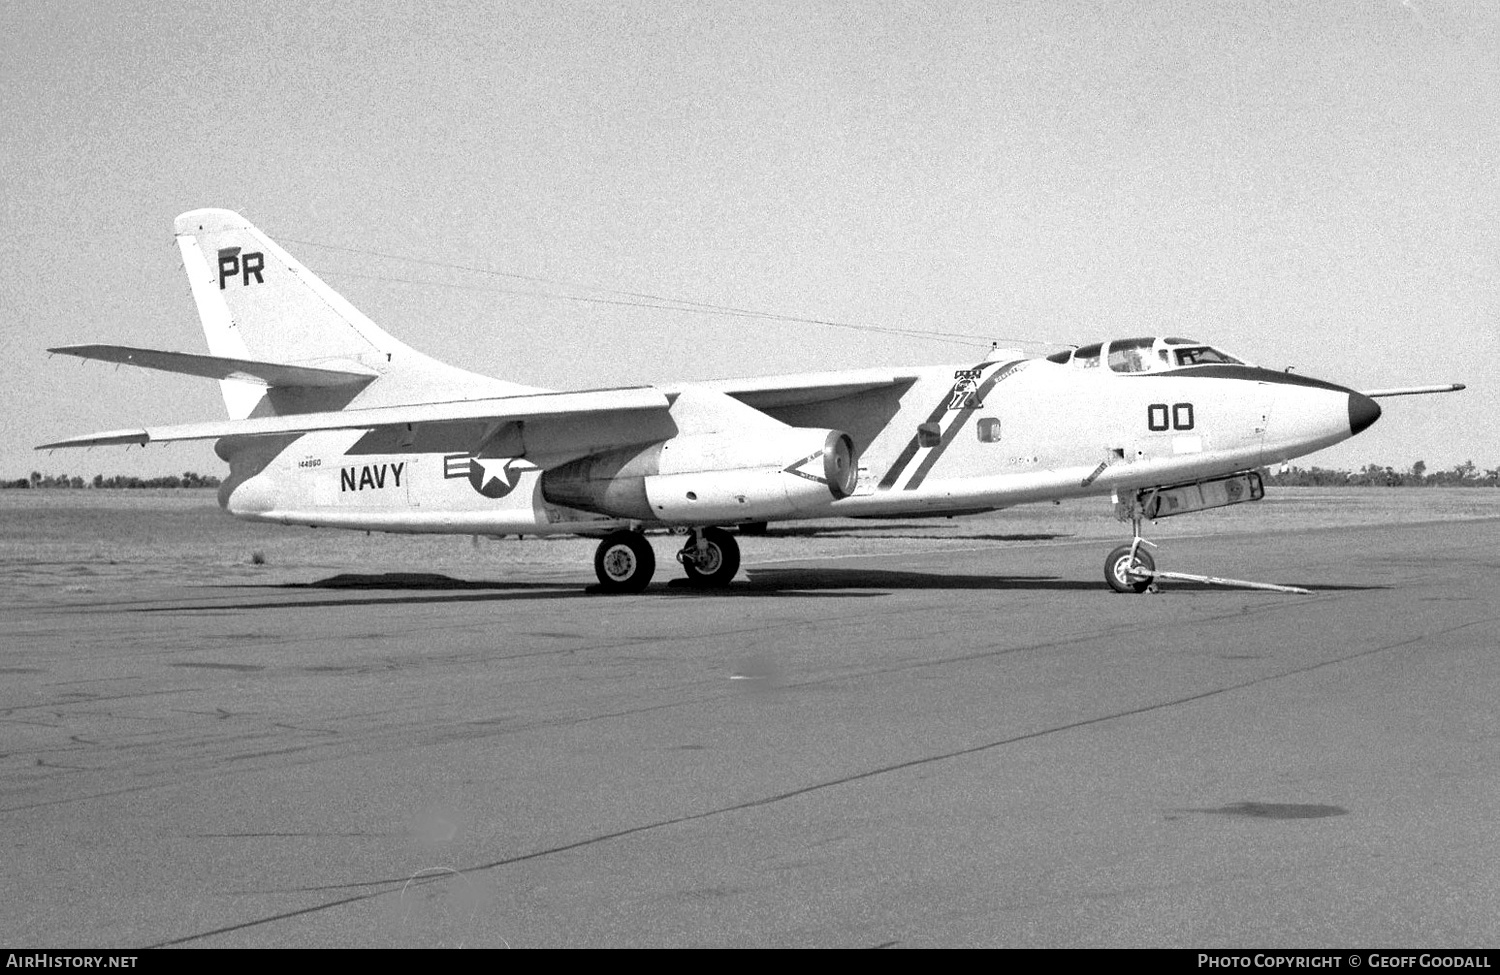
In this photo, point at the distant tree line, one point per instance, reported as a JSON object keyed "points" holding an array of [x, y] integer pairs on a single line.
{"points": [[1466, 474], [189, 479]]}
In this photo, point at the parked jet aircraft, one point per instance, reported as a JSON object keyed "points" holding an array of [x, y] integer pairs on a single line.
{"points": [[332, 422]]}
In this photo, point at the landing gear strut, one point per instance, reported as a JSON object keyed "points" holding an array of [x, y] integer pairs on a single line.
{"points": [[624, 562], [710, 558], [1130, 568]]}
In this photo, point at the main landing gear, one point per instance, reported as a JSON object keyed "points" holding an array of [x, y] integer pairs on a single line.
{"points": [[710, 558], [625, 561]]}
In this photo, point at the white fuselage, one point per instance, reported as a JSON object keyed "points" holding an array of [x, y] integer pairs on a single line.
{"points": [[955, 438]]}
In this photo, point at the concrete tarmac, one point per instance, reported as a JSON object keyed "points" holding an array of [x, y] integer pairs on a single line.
{"points": [[973, 746]]}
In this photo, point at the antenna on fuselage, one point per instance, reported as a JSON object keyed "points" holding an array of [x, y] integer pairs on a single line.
{"points": [[996, 353]]}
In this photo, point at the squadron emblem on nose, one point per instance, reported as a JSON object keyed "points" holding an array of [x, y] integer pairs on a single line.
{"points": [[965, 393]]}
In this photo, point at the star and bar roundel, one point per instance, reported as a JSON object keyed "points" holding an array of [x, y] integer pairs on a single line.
{"points": [[493, 477]]}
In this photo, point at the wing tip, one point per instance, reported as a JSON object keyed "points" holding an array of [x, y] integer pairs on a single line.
{"points": [[113, 438]]}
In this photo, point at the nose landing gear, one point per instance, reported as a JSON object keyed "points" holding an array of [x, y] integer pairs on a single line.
{"points": [[1130, 568]]}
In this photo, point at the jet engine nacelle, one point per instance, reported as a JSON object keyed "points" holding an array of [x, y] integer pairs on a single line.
{"points": [[711, 479]]}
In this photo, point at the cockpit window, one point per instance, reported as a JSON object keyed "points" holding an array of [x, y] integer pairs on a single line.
{"points": [[1130, 355], [1088, 356], [1203, 355], [1150, 354]]}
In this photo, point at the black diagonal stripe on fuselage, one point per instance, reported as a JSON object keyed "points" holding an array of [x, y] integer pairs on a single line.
{"points": [[899, 467], [999, 375]]}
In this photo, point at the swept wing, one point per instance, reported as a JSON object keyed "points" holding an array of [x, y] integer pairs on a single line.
{"points": [[799, 390], [497, 409], [763, 393]]}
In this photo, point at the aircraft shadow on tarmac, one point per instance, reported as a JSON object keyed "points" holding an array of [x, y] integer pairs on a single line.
{"points": [[804, 579], [358, 589], [905, 531], [758, 581], [395, 588]]}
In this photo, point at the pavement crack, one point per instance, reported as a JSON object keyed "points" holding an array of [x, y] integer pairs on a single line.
{"points": [[386, 886]]}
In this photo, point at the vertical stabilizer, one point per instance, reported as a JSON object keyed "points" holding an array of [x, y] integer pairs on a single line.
{"points": [[257, 302]]}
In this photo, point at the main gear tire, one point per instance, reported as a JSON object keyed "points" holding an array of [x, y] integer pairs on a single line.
{"points": [[624, 562], [716, 563]]}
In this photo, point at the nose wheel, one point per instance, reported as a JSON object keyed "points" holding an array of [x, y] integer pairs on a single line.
{"points": [[1130, 568], [710, 558]]}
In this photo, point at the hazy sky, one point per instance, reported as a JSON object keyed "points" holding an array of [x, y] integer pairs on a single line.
{"points": [[1314, 184]]}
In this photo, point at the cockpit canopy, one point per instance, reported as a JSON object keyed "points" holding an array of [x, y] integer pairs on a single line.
{"points": [[1144, 355]]}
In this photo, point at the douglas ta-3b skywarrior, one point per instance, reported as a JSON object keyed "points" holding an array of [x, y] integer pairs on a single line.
{"points": [[332, 422]]}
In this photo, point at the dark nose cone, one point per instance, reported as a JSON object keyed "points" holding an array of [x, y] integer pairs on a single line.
{"points": [[1363, 411]]}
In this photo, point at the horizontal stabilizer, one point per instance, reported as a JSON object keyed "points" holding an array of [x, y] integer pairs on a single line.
{"points": [[1414, 390], [496, 409], [220, 367]]}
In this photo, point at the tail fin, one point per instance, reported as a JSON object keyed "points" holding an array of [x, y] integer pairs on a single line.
{"points": [[257, 303]]}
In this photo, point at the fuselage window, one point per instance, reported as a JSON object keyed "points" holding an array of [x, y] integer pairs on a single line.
{"points": [[989, 430], [929, 435]]}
